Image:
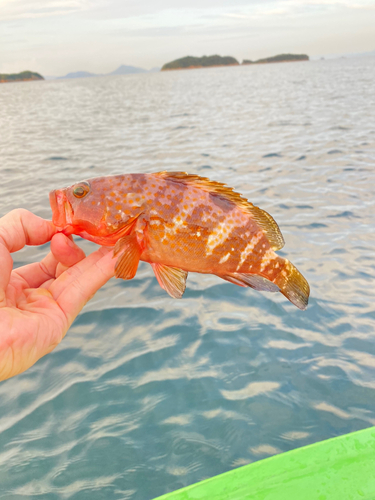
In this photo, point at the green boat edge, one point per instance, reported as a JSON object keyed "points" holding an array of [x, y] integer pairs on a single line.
{"points": [[340, 468]]}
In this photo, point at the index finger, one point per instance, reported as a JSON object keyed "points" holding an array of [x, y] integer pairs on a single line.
{"points": [[79, 283], [17, 229]]}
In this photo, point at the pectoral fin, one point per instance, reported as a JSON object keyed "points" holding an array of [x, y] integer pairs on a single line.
{"points": [[251, 280], [130, 252], [172, 279]]}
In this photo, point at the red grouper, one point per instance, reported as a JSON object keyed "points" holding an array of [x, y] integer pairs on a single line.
{"points": [[179, 223]]}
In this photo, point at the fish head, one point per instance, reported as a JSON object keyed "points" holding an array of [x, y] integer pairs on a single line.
{"points": [[95, 210]]}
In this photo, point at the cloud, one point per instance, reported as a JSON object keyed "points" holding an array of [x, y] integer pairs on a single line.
{"points": [[31, 9], [21, 9], [124, 9]]}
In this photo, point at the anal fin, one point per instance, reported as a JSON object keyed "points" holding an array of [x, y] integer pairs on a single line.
{"points": [[252, 281], [171, 279], [130, 252]]}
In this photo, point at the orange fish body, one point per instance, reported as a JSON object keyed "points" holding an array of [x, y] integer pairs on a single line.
{"points": [[180, 223]]}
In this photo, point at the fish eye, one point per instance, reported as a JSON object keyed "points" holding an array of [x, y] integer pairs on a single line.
{"points": [[81, 190]]}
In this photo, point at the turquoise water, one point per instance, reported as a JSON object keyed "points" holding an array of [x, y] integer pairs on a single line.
{"points": [[147, 394]]}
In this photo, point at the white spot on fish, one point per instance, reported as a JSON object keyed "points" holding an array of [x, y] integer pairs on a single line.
{"points": [[168, 231], [198, 233], [267, 257], [176, 222], [171, 231], [249, 248], [225, 258], [219, 234]]}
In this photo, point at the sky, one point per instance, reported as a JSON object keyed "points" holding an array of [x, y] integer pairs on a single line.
{"points": [[54, 37]]}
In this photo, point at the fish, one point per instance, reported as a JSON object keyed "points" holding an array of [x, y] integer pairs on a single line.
{"points": [[180, 223]]}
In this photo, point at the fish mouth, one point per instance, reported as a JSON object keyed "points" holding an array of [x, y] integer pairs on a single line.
{"points": [[62, 211]]}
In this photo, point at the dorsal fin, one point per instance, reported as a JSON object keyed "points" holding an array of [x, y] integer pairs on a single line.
{"points": [[264, 219]]}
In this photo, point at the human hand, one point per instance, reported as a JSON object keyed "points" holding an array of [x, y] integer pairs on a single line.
{"points": [[39, 301]]}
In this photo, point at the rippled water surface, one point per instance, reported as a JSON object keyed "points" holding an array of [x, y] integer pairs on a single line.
{"points": [[147, 394]]}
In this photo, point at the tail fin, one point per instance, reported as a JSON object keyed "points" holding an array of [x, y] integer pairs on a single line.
{"points": [[293, 285], [284, 278]]}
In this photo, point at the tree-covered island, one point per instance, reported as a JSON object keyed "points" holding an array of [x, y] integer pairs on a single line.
{"points": [[190, 62], [279, 58], [24, 76]]}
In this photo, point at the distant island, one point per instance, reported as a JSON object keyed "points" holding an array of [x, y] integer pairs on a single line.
{"points": [[191, 62], [188, 62], [78, 74], [121, 70], [24, 76], [279, 58]]}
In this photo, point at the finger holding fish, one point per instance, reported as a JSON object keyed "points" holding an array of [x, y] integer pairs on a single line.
{"points": [[66, 252]]}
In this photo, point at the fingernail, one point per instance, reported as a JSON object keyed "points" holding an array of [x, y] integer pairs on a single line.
{"points": [[71, 243]]}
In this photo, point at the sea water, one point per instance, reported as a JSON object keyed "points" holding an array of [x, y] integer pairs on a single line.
{"points": [[147, 394]]}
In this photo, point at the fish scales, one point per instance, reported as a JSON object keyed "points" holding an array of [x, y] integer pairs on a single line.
{"points": [[179, 223]]}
